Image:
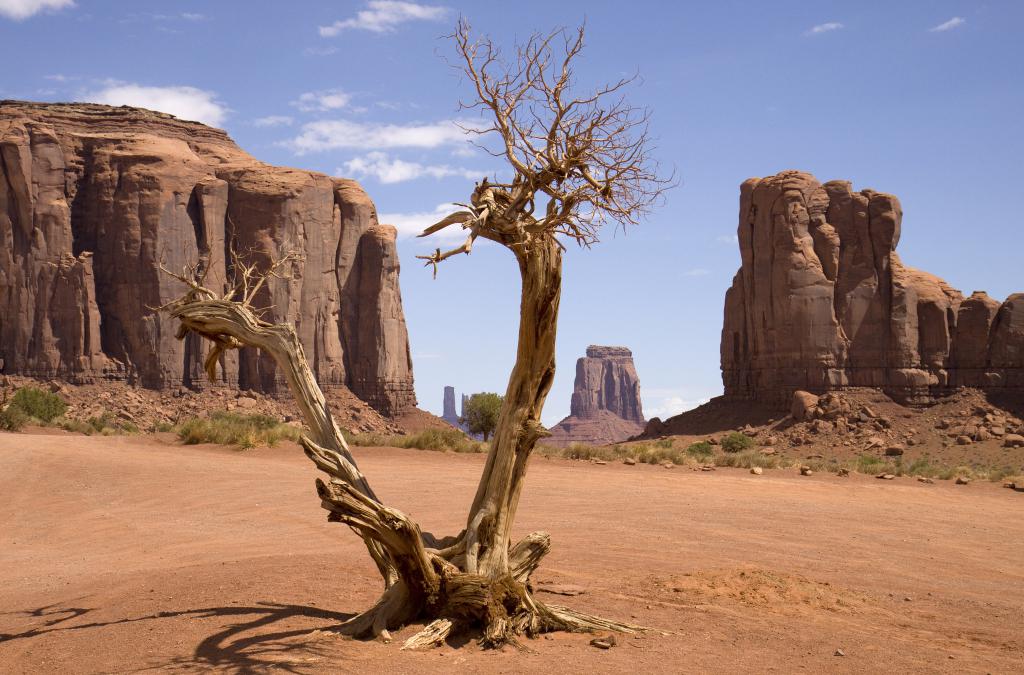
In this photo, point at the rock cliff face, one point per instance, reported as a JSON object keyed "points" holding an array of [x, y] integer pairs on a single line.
{"points": [[93, 198], [822, 301], [606, 405]]}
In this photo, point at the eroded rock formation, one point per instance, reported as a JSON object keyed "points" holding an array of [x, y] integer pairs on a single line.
{"points": [[93, 198], [606, 405], [822, 301], [449, 415]]}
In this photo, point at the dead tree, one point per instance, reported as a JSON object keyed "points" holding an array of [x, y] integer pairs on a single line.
{"points": [[577, 163]]}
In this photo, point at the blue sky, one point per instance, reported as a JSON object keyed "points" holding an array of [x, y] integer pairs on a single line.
{"points": [[921, 99]]}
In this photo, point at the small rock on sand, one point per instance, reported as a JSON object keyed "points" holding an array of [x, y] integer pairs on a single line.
{"points": [[756, 470]]}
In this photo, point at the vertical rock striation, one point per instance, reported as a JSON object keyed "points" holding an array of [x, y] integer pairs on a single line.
{"points": [[93, 199], [605, 405], [822, 301]]}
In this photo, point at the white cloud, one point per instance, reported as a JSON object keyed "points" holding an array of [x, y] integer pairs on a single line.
{"points": [[382, 16], [187, 103], [20, 10], [393, 170], [273, 121], [955, 22], [824, 28], [669, 406], [413, 224], [727, 239], [328, 99], [193, 16], [697, 272], [324, 135]]}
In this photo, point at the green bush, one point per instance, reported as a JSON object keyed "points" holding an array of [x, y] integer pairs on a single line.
{"points": [[737, 442], [13, 419], [480, 413], [244, 431], [701, 450], [39, 403]]}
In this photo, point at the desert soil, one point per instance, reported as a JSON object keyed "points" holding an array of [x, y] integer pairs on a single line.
{"points": [[130, 554]]}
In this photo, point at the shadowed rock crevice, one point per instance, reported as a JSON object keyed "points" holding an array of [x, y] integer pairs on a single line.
{"points": [[92, 200]]}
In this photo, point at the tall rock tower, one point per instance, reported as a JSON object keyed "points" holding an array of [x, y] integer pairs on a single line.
{"points": [[605, 405], [449, 415]]}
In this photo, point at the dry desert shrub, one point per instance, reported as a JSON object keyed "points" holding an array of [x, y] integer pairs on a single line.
{"points": [[244, 431]]}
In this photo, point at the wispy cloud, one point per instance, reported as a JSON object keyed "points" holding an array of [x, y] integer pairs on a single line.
{"points": [[322, 101], [273, 121], [412, 224], [19, 10], [697, 272], [320, 51], [727, 239], [325, 135], [394, 170], [821, 28], [955, 22], [383, 16], [665, 403], [187, 103]]}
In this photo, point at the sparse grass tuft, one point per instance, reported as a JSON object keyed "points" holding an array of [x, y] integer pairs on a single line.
{"points": [[13, 419], [244, 431], [104, 424], [443, 440], [747, 460]]}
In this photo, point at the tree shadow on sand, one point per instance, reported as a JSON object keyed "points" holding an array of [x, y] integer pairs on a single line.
{"points": [[240, 647]]}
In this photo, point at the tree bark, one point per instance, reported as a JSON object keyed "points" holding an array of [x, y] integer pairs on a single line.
{"points": [[489, 527]]}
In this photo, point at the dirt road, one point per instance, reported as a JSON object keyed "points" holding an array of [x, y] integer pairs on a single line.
{"points": [[129, 554]]}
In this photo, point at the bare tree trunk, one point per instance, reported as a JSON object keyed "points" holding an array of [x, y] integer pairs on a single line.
{"points": [[477, 578], [489, 529]]}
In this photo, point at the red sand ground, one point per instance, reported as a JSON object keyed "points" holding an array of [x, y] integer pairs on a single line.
{"points": [[129, 554]]}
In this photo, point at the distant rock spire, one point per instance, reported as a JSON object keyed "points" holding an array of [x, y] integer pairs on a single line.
{"points": [[605, 405]]}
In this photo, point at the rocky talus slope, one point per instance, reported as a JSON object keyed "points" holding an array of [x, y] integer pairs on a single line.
{"points": [[606, 405], [822, 302], [94, 198]]}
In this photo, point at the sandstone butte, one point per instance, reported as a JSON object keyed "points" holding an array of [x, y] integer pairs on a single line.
{"points": [[822, 302], [93, 198], [605, 405]]}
